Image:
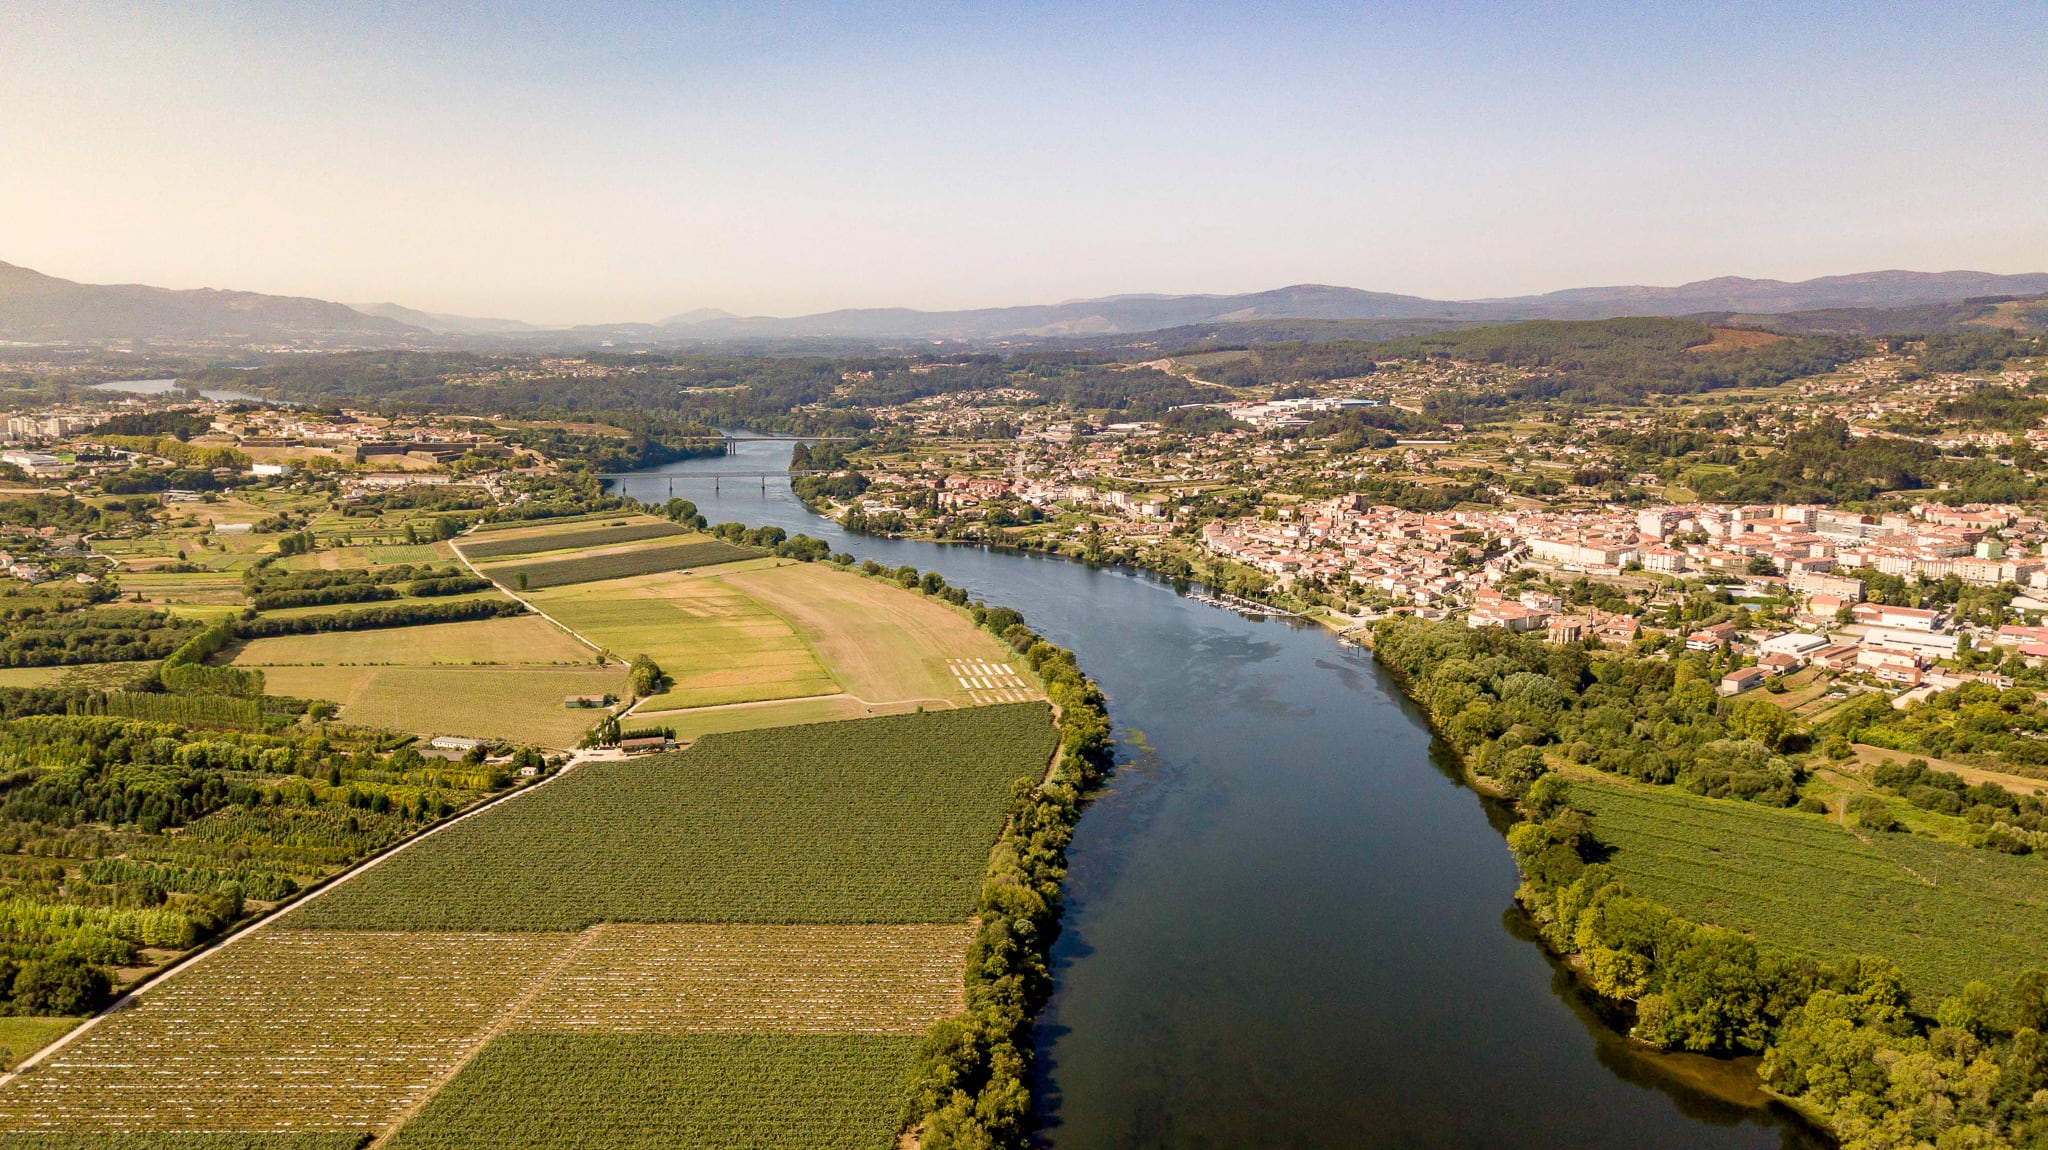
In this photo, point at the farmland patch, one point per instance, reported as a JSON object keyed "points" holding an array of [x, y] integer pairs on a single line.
{"points": [[679, 1092], [1945, 913], [522, 705], [716, 644], [881, 643], [284, 1030], [676, 555], [512, 639], [503, 546], [750, 978], [876, 821]]}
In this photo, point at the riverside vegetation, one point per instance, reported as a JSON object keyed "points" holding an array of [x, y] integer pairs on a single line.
{"points": [[1848, 1038]]}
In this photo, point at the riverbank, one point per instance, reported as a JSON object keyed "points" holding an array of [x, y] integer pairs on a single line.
{"points": [[1280, 923]]}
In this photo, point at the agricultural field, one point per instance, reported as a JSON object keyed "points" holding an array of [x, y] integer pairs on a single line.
{"points": [[717, 644], [23, 1034], [285, 1030], [506, 545], [512, 639], [516, 704], [1945, 913], [674, 977], [371, 555], [876, 821], [698, 722], [881, 643], [678, 554], [158, 1140], [680, 1091]]}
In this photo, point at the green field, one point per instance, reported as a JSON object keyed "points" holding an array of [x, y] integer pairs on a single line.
{"points": [[35, 676], [668, 555], [881, 820], [677, 1092], [330, 558], [23, 1034], [716, 644], [1946, 914], [515, 639], [502, 546], [522, 705]]}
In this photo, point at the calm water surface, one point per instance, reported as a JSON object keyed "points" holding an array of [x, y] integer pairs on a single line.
{"points": [[1287, 926], [161, 386]]}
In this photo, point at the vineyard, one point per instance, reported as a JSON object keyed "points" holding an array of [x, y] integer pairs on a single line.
{"points": [[880, 820], [681, 556], [788, 979], [577, 540], [1947, 914], [678, 1092], [158, 1140], [284, 1030]]}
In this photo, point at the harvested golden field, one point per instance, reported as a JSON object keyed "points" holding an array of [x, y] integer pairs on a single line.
{"points": [[519, 704], [882, 644], [518, 639]]}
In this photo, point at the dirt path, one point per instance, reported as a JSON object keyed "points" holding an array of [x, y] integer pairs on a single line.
{"points": [[505, 1018], [455, 546]]}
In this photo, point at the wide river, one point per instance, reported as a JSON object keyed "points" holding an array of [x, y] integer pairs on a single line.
{"points": [[1287, 926]]}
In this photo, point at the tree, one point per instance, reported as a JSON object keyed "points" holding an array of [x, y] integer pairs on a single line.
{"points": [[646, 677]]}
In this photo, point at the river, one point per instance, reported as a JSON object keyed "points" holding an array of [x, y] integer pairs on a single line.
{"points": [[1287, 925]]}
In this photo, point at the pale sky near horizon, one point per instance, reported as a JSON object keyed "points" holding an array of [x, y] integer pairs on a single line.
{"points": [[590, 162]]}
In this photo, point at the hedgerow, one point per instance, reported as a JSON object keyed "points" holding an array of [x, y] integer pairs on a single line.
{"points": [[968, 1091]]}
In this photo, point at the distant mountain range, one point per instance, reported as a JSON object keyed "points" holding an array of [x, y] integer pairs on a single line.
{"points": [[1116, 315], [39, 308]]}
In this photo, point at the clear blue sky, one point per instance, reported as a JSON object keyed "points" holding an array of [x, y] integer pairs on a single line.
{"points": [[583, 162]]}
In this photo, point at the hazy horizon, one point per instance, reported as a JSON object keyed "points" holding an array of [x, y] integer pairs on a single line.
{"points": [[629, 162]]}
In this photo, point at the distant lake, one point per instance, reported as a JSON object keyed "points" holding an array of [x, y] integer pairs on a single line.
{"points": [[160, 386]]}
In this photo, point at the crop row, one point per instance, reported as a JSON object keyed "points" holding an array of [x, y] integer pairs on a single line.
{"points": [[750, 978], [872, 820], [566, 540], [1946, 913], [686, 1092], [162, 1140], [284, 1030], [619, 564]]}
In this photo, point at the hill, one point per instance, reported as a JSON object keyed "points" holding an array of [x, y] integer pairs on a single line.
{"points": [[441, 323], [41, 308], [1129, 314], [38, 307]]}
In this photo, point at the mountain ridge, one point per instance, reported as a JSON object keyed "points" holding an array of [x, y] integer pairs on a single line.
{"points": [[35, 307]]}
